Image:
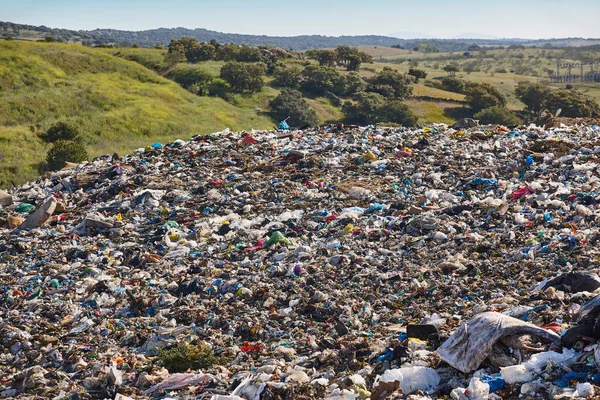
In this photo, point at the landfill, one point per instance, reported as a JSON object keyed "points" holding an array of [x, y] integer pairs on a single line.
{"points": [[335, 263]]}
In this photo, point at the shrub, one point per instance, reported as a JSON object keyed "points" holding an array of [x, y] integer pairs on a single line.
{"points": [[483, 95], [287, 77], [454, 85], [497, 115], [399, 83], [534, 96], [60, 131], [433, 84], [398, 112], [186, 356], [63, 151], [289, 103], [317, 79], [417, 73], [243, 77], [365, 108], [572, 103], [369, 108]]}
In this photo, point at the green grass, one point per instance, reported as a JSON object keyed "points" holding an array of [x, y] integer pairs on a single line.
{"points": [[118, 105], [433, 112], [422, 90], [120, 101]]}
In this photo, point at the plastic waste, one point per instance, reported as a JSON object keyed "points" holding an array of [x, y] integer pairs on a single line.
{"points": [[412, 379]]}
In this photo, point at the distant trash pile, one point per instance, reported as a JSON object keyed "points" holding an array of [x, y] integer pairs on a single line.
{"points": [[340, 263]]}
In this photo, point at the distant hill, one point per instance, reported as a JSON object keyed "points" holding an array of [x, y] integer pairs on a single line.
{"points": [[163, 36]]}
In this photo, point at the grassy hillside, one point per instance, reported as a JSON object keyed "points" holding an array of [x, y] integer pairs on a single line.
{"points": [[118, 105], [120, 100]]}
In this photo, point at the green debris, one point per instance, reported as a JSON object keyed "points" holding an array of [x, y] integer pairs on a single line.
{"points": [[278, 237], [186, 356]]}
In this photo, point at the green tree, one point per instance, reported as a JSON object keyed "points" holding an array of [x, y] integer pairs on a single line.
{"points": [[191, 78], [60, 131], [389, 77], [454, 85], [353, 84], [228, 52], [534, 96], [427, 48], [201, 52], [290, 104], [287, 76], [483, 95], [243, 77], [351, 57], [64, 151], [573, 104], [497, 115], [364, 109], [451, 69], [417, 73], [354, 61], [248, 54], [317, 79], [323, 57], [398, 112], [217, 87]]}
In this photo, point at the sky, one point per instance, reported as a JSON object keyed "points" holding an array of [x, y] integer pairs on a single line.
{"points": [[424, 18]]}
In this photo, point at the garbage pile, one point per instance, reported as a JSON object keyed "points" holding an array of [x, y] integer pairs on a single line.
{"points": [[339, 263]]}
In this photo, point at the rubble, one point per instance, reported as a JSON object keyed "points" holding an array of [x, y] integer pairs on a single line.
{"points": [[338, 263]]}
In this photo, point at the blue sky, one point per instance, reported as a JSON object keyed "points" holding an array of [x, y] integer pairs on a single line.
{"points": [[435, 18]]}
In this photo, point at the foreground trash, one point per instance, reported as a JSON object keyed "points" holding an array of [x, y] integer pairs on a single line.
{"points": [[339, 263]]}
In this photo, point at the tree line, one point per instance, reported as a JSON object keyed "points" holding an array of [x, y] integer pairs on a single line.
{"points": [[488, 104]]}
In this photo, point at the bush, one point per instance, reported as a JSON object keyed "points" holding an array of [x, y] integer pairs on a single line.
{"points": [[398, 112], [192, 79], [186, 356], [243, 77], [365, 109], [370, 108], [290, 103], [60, 131], [497, 115], [454, 85], [317, 80], [353, 84], [218, 87], [483, 95], [433, 84], [417, 73], [399, 83], [287, 77], [63, 151], [572, 103], [534, 96]]}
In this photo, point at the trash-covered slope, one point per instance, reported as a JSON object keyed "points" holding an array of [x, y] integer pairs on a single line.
{"points": [[308, 264]]}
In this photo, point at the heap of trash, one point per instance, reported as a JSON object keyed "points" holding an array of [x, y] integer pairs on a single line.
{"points": [[337, 263]]}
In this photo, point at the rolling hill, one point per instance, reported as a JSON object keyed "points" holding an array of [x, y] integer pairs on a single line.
{"points": [[118, 105]]}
